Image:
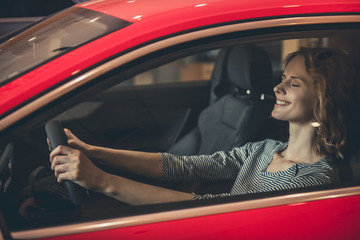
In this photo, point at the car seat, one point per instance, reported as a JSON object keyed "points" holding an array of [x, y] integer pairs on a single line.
{"points": [[241, 102]]}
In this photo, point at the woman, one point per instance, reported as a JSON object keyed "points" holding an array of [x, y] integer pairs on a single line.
{"points": [[312, 97]]}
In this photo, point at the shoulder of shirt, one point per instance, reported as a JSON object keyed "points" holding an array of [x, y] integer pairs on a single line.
{"points": [[325, 167]]}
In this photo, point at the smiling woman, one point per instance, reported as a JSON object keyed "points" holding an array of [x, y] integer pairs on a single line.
{"points": [[295, 95], [307, 159], [331, 79], [308, 87]]}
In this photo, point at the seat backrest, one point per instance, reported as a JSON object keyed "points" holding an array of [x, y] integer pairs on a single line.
{"points": [[240, 66], [237, 116]]}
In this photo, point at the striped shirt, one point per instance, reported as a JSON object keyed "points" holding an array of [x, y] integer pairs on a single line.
{"points": [[247, 166]]}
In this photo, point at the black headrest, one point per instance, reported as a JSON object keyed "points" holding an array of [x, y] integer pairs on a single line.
{"points": [[250, 68]]}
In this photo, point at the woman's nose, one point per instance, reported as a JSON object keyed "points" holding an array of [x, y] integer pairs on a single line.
{"points": [[279, 88]]}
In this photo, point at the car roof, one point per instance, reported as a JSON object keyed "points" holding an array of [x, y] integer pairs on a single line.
{"points": [[154, 19], [186, 10]]}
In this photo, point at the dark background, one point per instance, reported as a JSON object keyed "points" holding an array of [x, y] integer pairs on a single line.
{"points": [[32, 8]]}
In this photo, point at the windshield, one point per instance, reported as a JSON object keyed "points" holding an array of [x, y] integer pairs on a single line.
{"points": [[52, 37]]}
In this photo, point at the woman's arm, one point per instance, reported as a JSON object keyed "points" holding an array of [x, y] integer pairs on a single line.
{"points": [[136, 193], [72, 164], [140, 163]]}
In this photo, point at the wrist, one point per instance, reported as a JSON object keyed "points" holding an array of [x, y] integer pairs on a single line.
{"points": [[105, 185], [90, 151]]}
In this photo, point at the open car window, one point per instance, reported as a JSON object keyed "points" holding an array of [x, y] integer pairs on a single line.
{"points": [[154, 106]]}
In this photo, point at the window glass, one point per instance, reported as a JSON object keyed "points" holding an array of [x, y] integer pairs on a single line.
{"points": [[193, 68], [53, 37], [152, 110]]}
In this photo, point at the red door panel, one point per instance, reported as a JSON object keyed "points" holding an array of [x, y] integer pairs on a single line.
{"points": [[336, 218]]}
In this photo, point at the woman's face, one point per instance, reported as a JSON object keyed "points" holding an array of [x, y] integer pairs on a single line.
{"points": [[295, 95]]}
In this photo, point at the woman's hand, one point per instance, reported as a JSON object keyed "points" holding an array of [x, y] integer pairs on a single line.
{"points": [[75, 142], [72, 164]]}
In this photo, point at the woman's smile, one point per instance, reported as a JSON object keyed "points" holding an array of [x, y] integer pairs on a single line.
{"points": [[295, 94], [281, 103]]}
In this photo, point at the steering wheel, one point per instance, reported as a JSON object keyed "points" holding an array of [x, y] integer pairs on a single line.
{"points": [[55, 133]]}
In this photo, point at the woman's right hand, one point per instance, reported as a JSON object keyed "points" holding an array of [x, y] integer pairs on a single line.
{"points": [[76, 143]]}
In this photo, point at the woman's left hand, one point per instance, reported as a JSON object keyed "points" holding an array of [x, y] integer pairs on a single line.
{"points": [[73, 165]]}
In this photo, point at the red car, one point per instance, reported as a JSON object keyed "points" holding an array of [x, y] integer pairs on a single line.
{"points": [[149, 75]]}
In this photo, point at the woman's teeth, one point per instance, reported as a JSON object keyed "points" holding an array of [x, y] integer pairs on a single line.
{"points": [[280, 102]]}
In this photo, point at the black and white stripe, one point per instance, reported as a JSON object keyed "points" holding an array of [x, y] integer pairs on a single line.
{"points": [[247, 166]]}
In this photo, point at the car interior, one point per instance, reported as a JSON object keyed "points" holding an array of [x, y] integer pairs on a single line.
{"points": [[236, 117], [183, 102]]}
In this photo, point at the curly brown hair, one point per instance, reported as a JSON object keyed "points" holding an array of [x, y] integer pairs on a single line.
{"points": [[333, 82]]}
